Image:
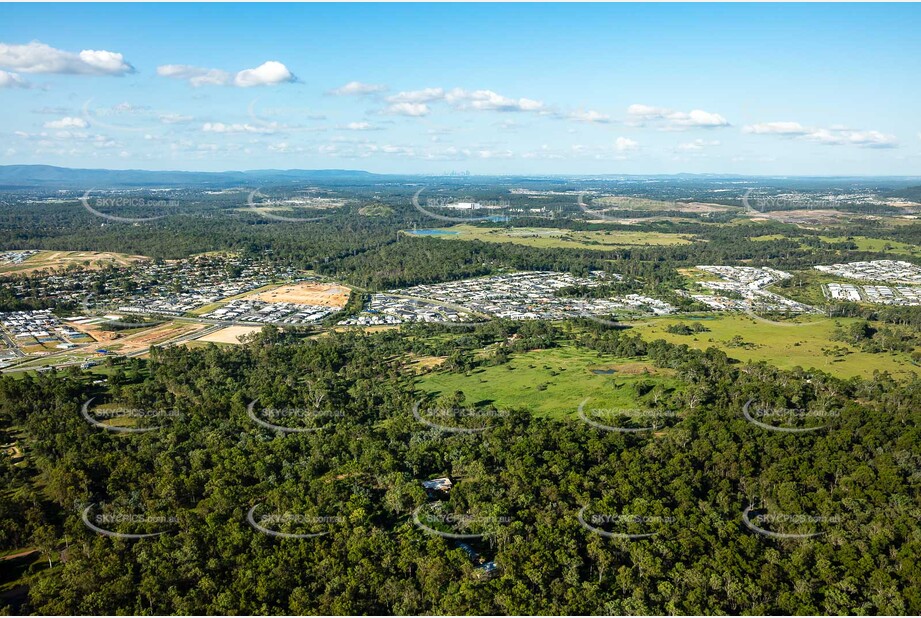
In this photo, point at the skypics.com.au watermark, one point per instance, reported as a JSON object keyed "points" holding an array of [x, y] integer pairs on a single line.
{"points": [[760, 204], [126, 413], [452, 420], [752, 414], [755, 520], [126, 202], [268, 522], [103, 522], [455, 522], [283, 419], [460, 206], [594, 522], [646, 415]]}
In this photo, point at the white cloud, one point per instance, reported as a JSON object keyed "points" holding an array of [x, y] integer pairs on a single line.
{"points": [[646, 112], [408, 109], [12, 80], [220, 127], [67, 123], [589, 116], [697, 145], [358, 89], [864, 139], [267, 74], [837, 135], [359, 126], [482, 100], [625, 144], [426, 95], [776, 128], [36, 57], [639, 114], [196, 76], [491, 101]]}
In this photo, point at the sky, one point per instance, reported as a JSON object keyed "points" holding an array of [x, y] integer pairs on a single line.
{"points": [[486, 88]]}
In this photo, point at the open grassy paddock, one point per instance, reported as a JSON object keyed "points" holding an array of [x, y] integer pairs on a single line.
{"points": [[785, 345], [555, 238], [551, 383]]}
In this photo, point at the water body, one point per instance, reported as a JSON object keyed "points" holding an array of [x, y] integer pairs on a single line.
{"points": [[604, 372], [432, 233]]}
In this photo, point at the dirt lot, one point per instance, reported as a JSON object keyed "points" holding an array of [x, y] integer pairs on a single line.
{"points": [[307, 293], [231, 334], [139, 340], [62, 259]]}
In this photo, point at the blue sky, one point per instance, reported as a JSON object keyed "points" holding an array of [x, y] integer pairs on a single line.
{"points": [[489, 88]]}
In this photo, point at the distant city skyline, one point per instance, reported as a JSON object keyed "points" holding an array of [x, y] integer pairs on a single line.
{"points": [[493, 89]]}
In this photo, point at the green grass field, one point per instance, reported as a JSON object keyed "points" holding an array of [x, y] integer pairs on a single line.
{"points": [[781, 345], [878, 244], [551, 383], [554, 238]]}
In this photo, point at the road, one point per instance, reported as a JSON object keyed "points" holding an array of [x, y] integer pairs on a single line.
{"points": [[183, 338]]}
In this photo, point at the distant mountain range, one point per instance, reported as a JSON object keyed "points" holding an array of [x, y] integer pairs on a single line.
{"points": [[47, 176]]}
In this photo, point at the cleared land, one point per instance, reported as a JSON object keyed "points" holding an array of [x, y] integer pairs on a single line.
{"points": [[231, 334], [552, 382], [785, 346], [560, 238], [616, 202], [62, 259], [307, 293]]}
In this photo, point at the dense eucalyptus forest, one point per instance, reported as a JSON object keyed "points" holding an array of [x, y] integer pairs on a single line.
{"points": [[855, 482]]}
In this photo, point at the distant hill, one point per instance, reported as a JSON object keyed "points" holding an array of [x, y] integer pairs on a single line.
{"points": [[47, 176]]}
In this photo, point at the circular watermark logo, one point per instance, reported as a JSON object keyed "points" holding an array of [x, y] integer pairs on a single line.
{"points": [[754, 519], [290, 414], [124, 413], [102, 522], [437, 417], [266, 523], [122, 202], [645, 414], [455, 205], [448, 523], [623, 203], [261, 209], [786, 414], [595, 520], [761, 204]]}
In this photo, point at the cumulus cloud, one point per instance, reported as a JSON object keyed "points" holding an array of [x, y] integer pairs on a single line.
{"points": [[358, 89], [67, 123], [492, 101], [268, 73], [639, 114], [776, 128], [864, 139], [12, 80], [359, 126], [589, 116], [36, 57], [625, 144], [834, 136], [408, 109], [481, 100], [426, 95], [697, 145], [220, 127]]}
